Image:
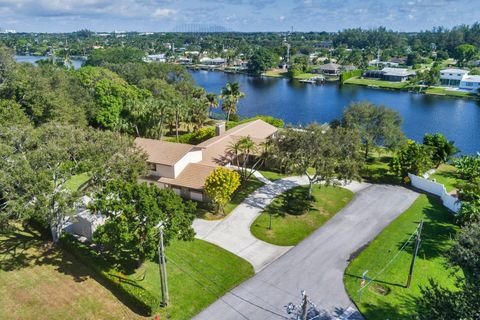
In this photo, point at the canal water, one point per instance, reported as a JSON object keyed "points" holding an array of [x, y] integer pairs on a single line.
{"points": [[33, 59], [300, 103]]}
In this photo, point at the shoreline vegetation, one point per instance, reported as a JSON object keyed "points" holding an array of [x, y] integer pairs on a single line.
{"points": [[371, 83]]}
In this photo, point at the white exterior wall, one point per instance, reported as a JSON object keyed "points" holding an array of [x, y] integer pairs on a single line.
{"points": [[193, 156], [469, 85], [162, 170], [451, 75], [438, 189]]}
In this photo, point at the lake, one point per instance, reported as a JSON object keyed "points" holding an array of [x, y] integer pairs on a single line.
{"points": [[300, 103], [77, 63]]}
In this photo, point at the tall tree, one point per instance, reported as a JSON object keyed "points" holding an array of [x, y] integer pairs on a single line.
{"points": [[133, 210], [242, 151], [378, 125], [231, 95], [38, 163], [212, 102], [261, 60], [323, 154], [443, 149]]}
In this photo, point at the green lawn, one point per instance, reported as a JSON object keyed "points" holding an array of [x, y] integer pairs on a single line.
{"points": [[198, 274], [399, 302], [446, 175], [294, 217], [205, 210], [305, 76], [453, 93], [376, 83], [77, 181], [277, 73], [38, 281], [377, 168], [273, 175]]}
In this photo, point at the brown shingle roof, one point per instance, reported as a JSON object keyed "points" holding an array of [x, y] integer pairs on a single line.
{"points": [[193, 176], [162, 152], [214, 149]]}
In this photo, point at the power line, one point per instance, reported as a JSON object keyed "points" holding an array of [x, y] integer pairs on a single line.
{"points": [[208, 289], [390, 262], [235, 294]]}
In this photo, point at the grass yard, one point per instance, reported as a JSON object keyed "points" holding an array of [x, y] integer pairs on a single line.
{"points": [[446, 92], [387, 297], [275, 73], [273, 175], [376, 83], [77, 181], [446, 175], [40, 282], [294, 217], [205, 211], [376, 169], [198, 274]]}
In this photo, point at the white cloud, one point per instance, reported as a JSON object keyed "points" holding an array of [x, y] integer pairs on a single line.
{"points": [[163, 12], [281, 18]]}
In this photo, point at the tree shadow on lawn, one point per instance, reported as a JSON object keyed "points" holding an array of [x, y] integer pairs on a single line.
{"points": [[294, 202], [438, 231]]}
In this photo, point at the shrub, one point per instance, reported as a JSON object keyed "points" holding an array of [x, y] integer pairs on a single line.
{"points": [[198, 136]]}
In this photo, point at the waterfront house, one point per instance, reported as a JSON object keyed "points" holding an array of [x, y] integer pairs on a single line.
{"points": [[155, 58], [390, 74], [452, 77], [470, 83], [184, 168], [331, 68]]}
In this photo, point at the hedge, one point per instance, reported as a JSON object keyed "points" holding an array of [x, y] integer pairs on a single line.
{"points": [[350, 74], [138, 297], [198, 136]]}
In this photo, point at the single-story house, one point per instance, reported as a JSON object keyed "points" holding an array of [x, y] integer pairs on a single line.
{"points": [[155, 58], [452, 77], [213, 62], [397, 74], [330, 69], [470, 83], [184, 167], [390, 74]]}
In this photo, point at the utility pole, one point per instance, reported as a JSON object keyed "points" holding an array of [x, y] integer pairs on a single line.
{"points": [[304, 306], [415, 252], [162, 266]]}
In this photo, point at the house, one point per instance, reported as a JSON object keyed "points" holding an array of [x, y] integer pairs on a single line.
{"points": [[470, 83], [376, 62], [330, 68], [184, 168], [452, 77], [213, 62], [397, 74], [390, 74], [155, 58]]}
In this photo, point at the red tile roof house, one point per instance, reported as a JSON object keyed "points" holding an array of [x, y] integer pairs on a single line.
{"points": [[184, 167]]}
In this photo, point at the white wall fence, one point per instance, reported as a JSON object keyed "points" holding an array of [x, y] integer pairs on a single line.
{"points": [[438, 189]]}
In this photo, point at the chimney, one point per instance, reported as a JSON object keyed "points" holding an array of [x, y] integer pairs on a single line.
{"points": [[219, 128]]}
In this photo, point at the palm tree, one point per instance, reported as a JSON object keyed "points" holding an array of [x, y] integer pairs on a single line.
{"points": [[242, 150], [212, 102], [231, 94]]}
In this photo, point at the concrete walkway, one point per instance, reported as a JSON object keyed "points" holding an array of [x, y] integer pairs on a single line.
{"points": [[233, 232], [317, 264]]}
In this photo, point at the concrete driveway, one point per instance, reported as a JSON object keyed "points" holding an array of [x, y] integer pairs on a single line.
{"points": [[233, 232], [317, 264]]}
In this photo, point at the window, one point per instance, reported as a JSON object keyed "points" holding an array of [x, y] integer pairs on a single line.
{"points": [[152, 166], [469, 84]]}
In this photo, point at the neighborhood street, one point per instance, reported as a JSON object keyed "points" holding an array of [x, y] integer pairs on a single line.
{"points": [[317, 264]]}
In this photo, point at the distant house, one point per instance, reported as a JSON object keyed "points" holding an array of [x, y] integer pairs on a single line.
{"points": [[155, 58], [213, 62], [331, 68], [390, 74], [349, 68], [376, 62], [470, 83], [452, 77], [184, 167]]}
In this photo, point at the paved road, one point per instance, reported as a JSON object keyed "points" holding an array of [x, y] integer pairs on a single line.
{"points": [[317, 264], [233, 232]]}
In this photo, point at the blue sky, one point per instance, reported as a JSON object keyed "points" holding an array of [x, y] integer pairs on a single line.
{"points": [[238, 15]]}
